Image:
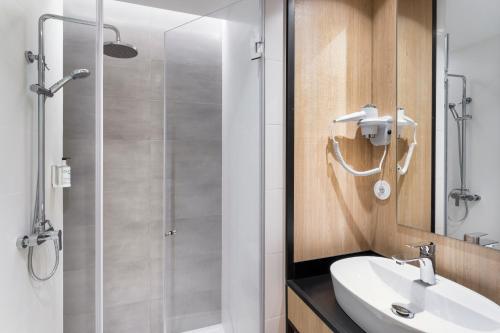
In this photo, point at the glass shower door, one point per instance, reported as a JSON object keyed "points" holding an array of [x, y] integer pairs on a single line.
{"points": [[212, 173]]}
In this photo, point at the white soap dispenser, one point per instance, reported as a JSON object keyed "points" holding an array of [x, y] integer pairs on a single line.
{"points": [[65, 172], [61, 174]]}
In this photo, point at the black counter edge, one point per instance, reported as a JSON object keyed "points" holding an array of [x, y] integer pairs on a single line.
{"points": [[315, 268], [303, 296]]}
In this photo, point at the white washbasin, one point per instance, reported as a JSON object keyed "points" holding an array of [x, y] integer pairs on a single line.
{"points": [[366, 287]]}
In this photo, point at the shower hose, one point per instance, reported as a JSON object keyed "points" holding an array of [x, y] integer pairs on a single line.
{"points": [[31, 249], [460, 152]]}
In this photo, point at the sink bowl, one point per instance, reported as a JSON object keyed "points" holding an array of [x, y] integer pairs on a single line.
{"points": [[366, 288]]}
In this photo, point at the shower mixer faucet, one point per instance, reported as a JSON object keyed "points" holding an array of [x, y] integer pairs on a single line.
{"points": [[463, 195], [42, 230], [38, 238]]}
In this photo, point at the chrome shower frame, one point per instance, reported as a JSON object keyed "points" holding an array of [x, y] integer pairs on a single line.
{"points": [[42, 229], [462, 119], [42, 66], [463, 192]]}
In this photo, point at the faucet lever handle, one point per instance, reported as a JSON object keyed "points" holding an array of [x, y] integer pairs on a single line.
{"points": [[419, 245], [426, 248]]}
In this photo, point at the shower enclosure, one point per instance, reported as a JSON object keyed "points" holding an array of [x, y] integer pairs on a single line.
{"points": [[165, 212], [42, 228], [212, 153], [137, 131]]}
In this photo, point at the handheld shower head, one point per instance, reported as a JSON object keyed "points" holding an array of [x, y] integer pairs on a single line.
{"points": [[453, 111], [74, 75], [80, 74]]}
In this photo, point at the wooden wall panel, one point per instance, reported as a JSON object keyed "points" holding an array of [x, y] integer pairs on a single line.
{"points": [[473, 266], [302, 316], [414, 93], [334, 212], [333, 66]]}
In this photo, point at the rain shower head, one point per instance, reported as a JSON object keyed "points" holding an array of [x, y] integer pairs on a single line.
{"points": [[117, 49]]}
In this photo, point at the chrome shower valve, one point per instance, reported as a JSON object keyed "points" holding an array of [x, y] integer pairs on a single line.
{"points": [[37, 239]]}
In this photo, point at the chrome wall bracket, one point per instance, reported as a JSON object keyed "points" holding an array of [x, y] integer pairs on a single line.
{"points": [[257, 48], [30, 57]]}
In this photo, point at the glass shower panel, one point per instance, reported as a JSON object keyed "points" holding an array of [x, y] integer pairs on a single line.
{"points": [[193, 85], [79, 145], [212, 272]]}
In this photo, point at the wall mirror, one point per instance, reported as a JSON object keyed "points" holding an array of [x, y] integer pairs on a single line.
{"points": [[448, 150]]}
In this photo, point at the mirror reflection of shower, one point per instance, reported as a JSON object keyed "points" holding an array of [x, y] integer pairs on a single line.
{"points": [[42, 229], [461, 195]]}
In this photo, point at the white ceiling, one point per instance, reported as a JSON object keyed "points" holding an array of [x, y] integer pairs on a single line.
{"points": [[197, 7]]}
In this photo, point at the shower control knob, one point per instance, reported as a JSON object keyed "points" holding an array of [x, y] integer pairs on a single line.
{"points": [[30, 57], [22, 242], [382, 190]]}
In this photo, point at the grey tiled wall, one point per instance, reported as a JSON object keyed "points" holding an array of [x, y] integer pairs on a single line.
{"points": [[134, 257], [194, 133], [133, 185], [78, 144]]}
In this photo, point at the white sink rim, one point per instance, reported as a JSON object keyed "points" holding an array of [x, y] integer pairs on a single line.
{"points": [[430, 316]]}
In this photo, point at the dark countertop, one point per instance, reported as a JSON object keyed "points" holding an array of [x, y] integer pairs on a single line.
{"points": [[317, 292], [313, 284]]}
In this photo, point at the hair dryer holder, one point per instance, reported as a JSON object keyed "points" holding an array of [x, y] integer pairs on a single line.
{"points": [[405, 121], [377, 129]]}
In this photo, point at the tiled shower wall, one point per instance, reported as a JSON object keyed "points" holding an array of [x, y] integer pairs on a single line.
{"points": [[134, 95], [133, 144], [133, 183], [78, 144], [194, 172]]}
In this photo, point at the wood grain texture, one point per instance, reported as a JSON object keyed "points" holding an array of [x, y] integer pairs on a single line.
{"points": [[475, 267], [414, 94], [333, 69], [302, 317], [335, 213]]}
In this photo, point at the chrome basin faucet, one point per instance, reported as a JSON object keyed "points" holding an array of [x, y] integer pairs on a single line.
{"points": [[426, 260]]}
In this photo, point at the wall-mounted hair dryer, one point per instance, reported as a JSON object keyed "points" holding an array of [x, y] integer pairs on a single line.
{"points": [[405, 121], [376, 129]]}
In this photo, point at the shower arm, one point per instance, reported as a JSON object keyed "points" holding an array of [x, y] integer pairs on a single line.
{"points": [[40, 219], [46, 17], [464, 90]]}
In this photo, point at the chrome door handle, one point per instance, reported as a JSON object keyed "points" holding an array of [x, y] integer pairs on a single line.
{"points": [[170, 233]]}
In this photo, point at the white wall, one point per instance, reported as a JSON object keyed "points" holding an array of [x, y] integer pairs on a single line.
{"points": [[275, 174], [25, 305], [479, 62], [241, 172]]}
